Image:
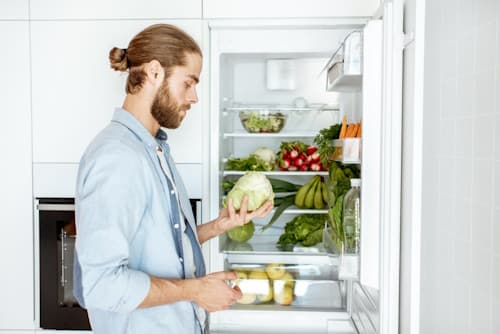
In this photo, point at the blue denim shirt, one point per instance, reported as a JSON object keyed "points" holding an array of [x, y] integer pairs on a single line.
{"points": [[127, 229]]}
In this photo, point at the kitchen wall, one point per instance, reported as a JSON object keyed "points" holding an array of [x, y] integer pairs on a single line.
{"points": [[460, 267]]}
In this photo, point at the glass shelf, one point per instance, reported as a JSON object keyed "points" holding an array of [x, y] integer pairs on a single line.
{"points": [[277, 173], [295, 210], [263, 249], [243, 134], [282, 108]]}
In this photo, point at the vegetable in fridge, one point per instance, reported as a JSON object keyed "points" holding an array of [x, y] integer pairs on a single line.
{"points": [[305, 229]]}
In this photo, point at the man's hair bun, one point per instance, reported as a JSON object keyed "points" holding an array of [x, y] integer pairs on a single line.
{"points": [[118, 59]]}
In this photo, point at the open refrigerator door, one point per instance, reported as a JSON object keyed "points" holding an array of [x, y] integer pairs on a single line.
{"points": [[268, 95]]}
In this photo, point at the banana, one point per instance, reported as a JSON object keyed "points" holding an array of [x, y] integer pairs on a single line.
{"points": [[301, 194], [318, 196], [309, 200], [324, 193]]}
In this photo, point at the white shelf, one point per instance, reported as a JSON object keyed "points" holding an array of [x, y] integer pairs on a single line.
{"points": [[243, 134], [295, 210], [283, 108], [314, 258], [277, 173], [263, 248]]}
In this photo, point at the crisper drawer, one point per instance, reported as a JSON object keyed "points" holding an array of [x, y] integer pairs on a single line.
{"points": [[288, 285]]}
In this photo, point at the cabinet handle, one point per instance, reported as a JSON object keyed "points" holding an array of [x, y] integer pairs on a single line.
{"points": [[56, 207]]}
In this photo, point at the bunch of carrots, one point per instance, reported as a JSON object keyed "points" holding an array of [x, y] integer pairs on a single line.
{"points": [[352, 130]]}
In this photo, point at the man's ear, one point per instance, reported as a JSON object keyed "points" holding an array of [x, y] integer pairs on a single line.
{"points": [[155, 72]]}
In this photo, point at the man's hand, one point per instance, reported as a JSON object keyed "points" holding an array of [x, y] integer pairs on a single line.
{"points": [[215, 294], [229, 218]]}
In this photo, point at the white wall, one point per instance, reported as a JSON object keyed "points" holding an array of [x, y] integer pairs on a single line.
{"points": [[460, 292]]}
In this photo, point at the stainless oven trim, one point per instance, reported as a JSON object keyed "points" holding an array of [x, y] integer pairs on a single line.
{"points": [[36, 256], [55, 207]]}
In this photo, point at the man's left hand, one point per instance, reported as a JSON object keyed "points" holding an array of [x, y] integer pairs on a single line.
{"points": [[229, 218]]}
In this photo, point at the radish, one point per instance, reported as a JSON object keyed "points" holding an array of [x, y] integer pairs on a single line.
{"points": [[311, 149], [285, 163], [292, 168], [315, 157], [302, 156], [294, 154], [303, 168], [315, 167], [298, 162], [308, 160]]}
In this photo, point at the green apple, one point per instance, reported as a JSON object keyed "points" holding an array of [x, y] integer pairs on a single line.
{"points": [[284, 296], [275, 270], [248, 298]]}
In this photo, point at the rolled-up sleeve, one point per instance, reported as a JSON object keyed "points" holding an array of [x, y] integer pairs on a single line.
{"points": [[111, 199]]}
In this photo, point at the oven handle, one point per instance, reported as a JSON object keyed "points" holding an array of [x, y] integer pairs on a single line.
{"points": [[56, 207]]}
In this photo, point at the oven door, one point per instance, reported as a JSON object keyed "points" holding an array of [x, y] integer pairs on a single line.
{"points": [[57, 234], [58, 306]]}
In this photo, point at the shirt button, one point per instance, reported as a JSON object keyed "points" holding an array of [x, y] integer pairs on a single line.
{"points": [[181, 259], [176, 225]]}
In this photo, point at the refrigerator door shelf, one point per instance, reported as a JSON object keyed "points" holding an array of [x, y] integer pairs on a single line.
{"points": [[347, 151], [344, 72], [365, 310], [340, 81]]}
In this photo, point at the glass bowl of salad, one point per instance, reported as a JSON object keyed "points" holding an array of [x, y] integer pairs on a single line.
{"points": [[262, 121]]}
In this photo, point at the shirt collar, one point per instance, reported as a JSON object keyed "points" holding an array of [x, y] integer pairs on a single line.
{"points": [[127, 119]]}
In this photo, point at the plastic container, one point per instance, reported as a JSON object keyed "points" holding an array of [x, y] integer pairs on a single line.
{"points": [[262, 121], [347, 150], [287, 285], [352, 218]]}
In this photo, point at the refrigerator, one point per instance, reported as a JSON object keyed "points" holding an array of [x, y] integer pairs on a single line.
{"points": [[313, 73]]}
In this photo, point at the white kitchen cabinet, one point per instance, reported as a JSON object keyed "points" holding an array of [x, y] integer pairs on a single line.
{"points": [[16, 214], [288, 9], [75, 91], [14, 10], [124, 9]]}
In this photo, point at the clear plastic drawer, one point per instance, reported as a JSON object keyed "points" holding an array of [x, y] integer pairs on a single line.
{"points": [[313, 286]]}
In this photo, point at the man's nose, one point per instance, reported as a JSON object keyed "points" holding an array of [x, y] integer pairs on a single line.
{"points": [[192, 96]]}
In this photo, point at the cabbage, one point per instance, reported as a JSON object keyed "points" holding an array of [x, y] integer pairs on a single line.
{"points": [[242, 233], [256, 186], [267, 155]]}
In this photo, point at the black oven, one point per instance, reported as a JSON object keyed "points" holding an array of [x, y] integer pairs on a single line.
{"points": [[56, 227], [57, 234]]}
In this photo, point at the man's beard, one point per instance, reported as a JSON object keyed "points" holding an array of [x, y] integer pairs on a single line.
{"points": [[167, 112]]}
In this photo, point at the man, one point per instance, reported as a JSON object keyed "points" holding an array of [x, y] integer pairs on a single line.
{"points": [[138, 263]]}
